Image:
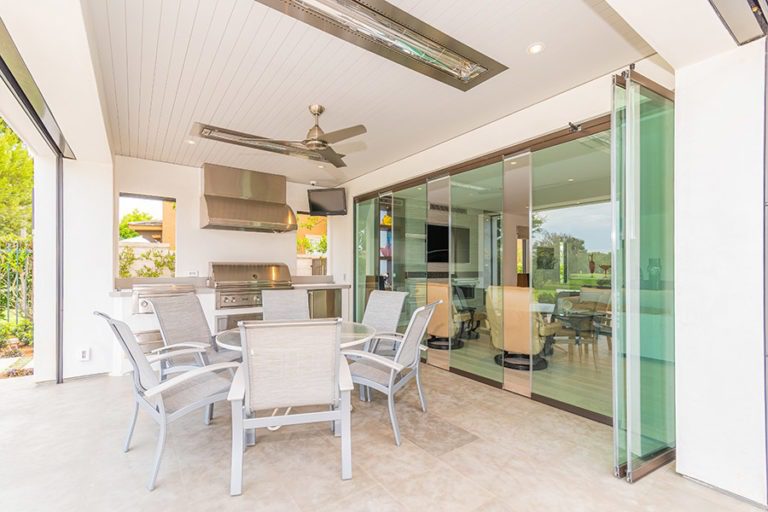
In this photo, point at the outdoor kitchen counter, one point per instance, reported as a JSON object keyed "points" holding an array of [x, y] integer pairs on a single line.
{"points": [[321, 286]]}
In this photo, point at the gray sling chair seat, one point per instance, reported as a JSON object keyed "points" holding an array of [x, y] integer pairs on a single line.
{"points": [[168, 400], [183, 324], [390, 375], [290, 364]]}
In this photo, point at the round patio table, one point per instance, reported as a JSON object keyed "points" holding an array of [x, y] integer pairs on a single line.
{"points": [[352, 335]]}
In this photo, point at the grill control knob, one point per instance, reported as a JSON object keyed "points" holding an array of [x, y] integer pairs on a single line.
{"points": [[226, 300]]}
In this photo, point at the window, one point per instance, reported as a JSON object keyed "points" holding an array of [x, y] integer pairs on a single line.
{"points": [[311, 245], [147, 236]]}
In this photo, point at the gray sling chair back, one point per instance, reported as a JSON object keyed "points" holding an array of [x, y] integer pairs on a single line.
{"points": [[390, 375], [168, 400], [285, 305], [290, 364], [183, 324], [382, 312]]}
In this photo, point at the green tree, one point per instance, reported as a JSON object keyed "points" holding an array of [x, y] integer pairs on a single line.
{"points": [[16, 182], [133, 216]]}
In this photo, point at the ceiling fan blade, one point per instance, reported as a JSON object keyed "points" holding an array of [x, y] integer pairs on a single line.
{"points": [[344, 133], [283, 147], [332, 157]]}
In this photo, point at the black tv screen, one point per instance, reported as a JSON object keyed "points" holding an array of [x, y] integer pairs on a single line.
{"points": [[438, 244], [327, 201]]}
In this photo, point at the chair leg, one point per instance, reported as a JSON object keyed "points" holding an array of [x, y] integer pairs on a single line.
{"points": [[158, 452], [362, 392], [236, 470], [422, 399], [393, 417], [208, 414], [135, 414], [346, 437]]}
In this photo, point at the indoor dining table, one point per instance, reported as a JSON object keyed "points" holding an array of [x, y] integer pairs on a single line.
{"points": [[353, 334]]}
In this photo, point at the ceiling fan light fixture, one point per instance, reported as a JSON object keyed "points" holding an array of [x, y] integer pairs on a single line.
{"points": [[386, 30]]}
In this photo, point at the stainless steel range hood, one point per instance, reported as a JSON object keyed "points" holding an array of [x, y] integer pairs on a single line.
{"points": [[244, 200]]}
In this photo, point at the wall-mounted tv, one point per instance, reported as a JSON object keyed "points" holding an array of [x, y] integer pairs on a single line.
{"points": [[438, 244], [327, 201]]}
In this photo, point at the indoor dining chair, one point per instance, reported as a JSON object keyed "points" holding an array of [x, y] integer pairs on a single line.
{"points": [[389, 376], [290, 364], [168, 400]]}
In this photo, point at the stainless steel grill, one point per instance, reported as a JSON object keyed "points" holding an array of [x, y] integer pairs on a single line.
{"points": [[239, 285]]}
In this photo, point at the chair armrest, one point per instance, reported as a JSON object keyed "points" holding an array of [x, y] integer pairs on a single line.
{"points": [[191, 344], [237, 389], [375, 358], [184, 377], [176, 353], [345, 376], [393, 336]]}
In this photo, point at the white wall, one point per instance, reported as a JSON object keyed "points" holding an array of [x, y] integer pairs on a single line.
{"points": [[51, 37], [719, 171], [196, 247]]}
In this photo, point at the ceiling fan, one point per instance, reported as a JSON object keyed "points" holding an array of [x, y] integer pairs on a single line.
{"points": [[316, 146]]}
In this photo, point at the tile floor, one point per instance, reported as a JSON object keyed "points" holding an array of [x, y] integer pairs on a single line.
{"points": [[477, 449]]}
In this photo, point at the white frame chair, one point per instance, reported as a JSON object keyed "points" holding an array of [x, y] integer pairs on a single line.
{"points": [[283, 367], [192, 331], [148, 389], [407, 357]]}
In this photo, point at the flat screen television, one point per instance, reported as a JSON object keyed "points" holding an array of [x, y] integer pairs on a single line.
{"points": [[327, 201], [438, 244]]}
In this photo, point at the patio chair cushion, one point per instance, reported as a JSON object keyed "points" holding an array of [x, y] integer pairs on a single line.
{"points": [[196, 389]]}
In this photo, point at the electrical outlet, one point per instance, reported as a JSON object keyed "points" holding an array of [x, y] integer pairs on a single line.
{"points": [[85, 354], [193, 273]]}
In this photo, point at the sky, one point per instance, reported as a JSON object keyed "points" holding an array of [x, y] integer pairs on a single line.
{"points": [[151, 206], [590, 222]]}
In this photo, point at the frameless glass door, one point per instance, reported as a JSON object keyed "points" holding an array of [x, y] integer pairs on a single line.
{"points": [[644, 431], [571, 274], [475, 242], [409, 239], [366, 253]]}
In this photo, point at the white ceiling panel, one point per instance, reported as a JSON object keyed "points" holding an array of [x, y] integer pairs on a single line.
{"points": [[164, 64]]}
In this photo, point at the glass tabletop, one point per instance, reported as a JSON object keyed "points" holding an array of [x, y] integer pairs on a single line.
{"points": [[352, 334]]}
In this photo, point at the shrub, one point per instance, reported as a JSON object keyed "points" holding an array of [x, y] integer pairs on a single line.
{"points": [[24, 332], [11, 352]]}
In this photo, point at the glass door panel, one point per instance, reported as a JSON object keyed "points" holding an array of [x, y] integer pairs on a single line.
{"points": [[409, 248], [475, 243], [519, 344], [440, 331], [366, 252], [645, 434], [386, 246], [571, 274]]}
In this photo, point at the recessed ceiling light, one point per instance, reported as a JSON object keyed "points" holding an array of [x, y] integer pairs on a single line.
{"points": [[190, 141], [513, 162], [570, 179], [535, 48]]}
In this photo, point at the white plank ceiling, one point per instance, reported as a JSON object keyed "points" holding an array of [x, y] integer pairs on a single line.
{"points": [[164, 64]]}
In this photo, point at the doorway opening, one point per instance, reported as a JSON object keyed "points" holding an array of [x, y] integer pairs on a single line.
{"points": [[16, 256]]}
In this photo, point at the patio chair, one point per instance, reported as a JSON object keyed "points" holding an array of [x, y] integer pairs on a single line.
{"points": [[382, 312], [183, 324], [389, 376], [285, 305], [173, 398], [290, 364]]}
